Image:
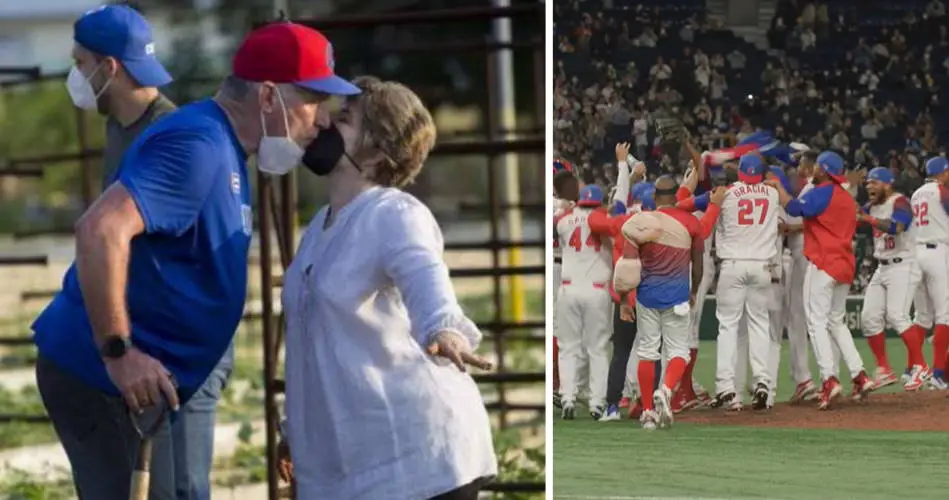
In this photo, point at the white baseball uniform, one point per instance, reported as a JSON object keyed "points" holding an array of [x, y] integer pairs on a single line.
{"points": [[931, 231], [744, 238], [889, 295], [794, 300], [584, 306], [776, 306], [583, 366]]}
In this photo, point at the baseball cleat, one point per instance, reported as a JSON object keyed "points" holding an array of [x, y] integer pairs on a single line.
{"points": [[635, 410], [918, 376], [568, 412], [611, 415], [557, 402], [805, 391], [759, 400], [663, 407], [624, 402], [727, 401], [701, 393], [596, 412], [938, 384], [649, 420], [884, 377], [862, 387], [906, 376], [829, 392]]}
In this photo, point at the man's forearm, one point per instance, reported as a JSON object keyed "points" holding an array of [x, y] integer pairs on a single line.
{"points": [[697, 271], [102, 263]]}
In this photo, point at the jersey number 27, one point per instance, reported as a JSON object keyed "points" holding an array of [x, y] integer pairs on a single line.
{"points": [[592, 241], [747, 209], [921, 213]]}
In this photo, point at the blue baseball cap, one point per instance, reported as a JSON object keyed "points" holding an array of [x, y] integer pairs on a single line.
{"points": [[831, 163], [881, 174], [750, 169], [590, 196], [122, 32], [936, 166]]}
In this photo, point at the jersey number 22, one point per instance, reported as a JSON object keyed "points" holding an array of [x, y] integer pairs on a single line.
{"points": [[921, 213]]}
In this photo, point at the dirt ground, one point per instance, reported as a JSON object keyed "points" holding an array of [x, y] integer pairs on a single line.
{"points": [[924, 411]]}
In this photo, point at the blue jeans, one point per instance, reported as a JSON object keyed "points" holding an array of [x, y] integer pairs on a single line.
{"points": [[192, 434], [99, 438]]}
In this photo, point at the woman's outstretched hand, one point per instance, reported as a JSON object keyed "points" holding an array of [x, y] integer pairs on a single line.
{"points": [[454, 347]]}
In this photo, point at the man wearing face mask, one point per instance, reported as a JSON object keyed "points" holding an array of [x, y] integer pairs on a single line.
{"points": [[158, 287], [116, 74]]}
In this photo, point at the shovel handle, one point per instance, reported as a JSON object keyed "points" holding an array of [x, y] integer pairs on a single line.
{"points": [[141, 476]]}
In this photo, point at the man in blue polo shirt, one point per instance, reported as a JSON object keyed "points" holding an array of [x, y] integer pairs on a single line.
{"points": [[158, 287]]}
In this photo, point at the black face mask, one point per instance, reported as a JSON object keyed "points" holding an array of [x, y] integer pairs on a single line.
{"points": [[324, 153]]}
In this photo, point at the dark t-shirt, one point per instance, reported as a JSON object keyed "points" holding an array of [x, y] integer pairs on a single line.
{"points": [[119, 138]]}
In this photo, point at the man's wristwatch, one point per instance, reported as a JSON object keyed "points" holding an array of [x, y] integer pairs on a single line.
{"points": [[115, 347]]}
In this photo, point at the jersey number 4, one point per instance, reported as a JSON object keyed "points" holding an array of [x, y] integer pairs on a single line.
{"points": [[747, 209], [592, 241], [921, 213]]}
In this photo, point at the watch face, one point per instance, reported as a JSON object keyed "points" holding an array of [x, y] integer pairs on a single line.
{"points": [[116, 347]]}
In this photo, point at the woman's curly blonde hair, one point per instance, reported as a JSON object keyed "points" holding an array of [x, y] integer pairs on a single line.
{"points": [[397, 123]]}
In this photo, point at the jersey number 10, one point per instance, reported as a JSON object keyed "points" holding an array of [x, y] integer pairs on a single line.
{"points": [[592, 241], [921, 213], [747, 208]]}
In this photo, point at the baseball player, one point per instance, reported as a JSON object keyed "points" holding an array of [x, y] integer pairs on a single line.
{"points": [[584, 307], [607, 225], [889, 295], [663, 300], [747, 228], [931, 231], [794, 287], [829, 226], [564, 181]]}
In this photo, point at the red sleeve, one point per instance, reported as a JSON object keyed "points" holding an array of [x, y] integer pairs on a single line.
{"points": [[695, 230], [683, 193], [600, 222], [707, 222]]}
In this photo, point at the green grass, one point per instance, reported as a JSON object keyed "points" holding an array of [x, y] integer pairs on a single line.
{"points": [[620, 460]]}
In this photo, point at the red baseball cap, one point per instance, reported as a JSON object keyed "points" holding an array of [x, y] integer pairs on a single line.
{"points": [[285, 52]]}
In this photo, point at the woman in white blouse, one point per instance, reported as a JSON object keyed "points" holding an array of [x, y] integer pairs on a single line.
{"points": [[378, 401]]}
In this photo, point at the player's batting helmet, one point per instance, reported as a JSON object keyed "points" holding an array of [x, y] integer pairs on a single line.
{"points": [[936, 166], [833, 165], [750, 169], [881, 174], [590, 196]]}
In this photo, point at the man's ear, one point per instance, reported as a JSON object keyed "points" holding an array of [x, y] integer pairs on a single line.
{"points": [[267, 96]]}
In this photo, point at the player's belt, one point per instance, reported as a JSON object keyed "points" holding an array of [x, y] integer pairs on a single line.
{"points": [[886, 262], [595, 285], [558, 260]]}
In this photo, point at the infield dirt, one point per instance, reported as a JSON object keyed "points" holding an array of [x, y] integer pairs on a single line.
{"points": [[923, 411]]}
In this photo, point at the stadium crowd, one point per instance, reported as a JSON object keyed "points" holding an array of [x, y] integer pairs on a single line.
{"points": [[865, 79]]}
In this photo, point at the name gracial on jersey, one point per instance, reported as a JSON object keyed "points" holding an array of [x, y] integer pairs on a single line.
{"points": [[748, 223]]}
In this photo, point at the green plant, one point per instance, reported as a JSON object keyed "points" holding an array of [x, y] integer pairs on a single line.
{"points": [[21, 485]]}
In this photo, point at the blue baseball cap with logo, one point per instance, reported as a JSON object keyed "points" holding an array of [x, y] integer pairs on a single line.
{"points": [[590, 196], [880, 174], [751, 169], [122, 32], [936, 166]]}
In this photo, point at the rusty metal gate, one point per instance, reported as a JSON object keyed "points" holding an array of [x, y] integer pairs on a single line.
{"points": [[277, 214]]}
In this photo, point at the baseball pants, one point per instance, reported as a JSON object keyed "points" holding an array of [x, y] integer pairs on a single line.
{"points": [[584, 323], [825, 305], [889, 297], [776, 330], [933, 261], [662, 330], [743, 291], [795, 321], [624, 336], [708, 276]]}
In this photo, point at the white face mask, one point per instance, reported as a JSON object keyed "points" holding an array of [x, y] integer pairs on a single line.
{"points": [[278, 155], [80, 90]]}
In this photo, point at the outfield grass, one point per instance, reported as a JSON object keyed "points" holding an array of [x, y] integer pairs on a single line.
{"points": [[618, 460]]}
